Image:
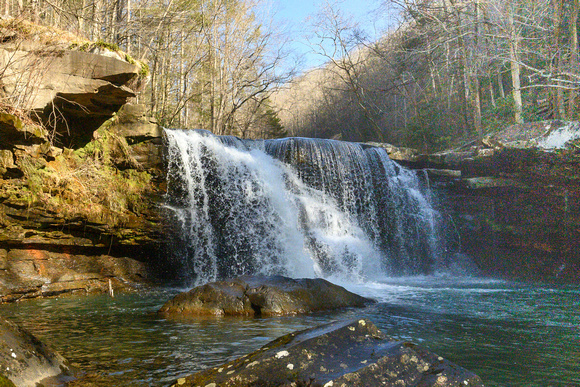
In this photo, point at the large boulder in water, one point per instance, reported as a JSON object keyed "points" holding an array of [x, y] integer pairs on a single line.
{"points": [[25, 360], [353, 353], [261, 296]]}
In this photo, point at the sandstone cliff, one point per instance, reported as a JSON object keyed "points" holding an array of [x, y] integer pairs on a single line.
{"points": [[79, 167]]}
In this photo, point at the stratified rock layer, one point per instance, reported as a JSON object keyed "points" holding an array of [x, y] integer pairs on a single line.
{"points": [[24, 360], [514, 198], [78, 193], [31, 273], [261, 296], [349, 354]]}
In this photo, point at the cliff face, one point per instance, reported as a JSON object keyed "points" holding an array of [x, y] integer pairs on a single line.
{"points": [[78, 199], [514, 199]]}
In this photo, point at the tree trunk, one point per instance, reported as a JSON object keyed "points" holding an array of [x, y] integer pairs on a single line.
{"points": [[556, 41], [574, 58], [477, 107], [129, 29], [515, 69], [476, 86], [500, 85], [491, 94], [81, 18]]}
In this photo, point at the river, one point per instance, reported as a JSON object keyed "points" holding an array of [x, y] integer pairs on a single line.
{"points": [[508, 333]]}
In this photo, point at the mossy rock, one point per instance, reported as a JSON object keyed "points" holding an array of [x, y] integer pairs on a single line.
{"points": [[13, 128], [5, 382]]}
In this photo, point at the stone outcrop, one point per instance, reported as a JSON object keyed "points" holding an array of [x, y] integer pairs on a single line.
{"points": [[514, 198], [25, 361], [64, 213], [61, 208], [78, 203], [261, 296], [31, 273], [70, 86], [353, 353]]}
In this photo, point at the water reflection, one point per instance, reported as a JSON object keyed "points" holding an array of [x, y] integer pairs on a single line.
{"points": [[510, 334]]}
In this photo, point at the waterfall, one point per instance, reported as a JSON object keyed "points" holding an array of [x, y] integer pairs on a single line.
{"points": [[297, 207]]}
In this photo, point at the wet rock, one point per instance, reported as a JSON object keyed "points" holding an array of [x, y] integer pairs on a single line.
{"points": [[490, 182], [516, 204], [31, 273], [353, 353], [261, 296], [399, 153], [25, 361]]}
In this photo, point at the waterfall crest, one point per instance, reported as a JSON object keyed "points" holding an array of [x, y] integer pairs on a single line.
{"points": [[297, 207]]}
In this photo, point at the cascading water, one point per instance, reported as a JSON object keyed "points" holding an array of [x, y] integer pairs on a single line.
{"points": [[298, 207]]}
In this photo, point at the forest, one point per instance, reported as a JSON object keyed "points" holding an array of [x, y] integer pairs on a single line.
{"points": [[446, 71]]}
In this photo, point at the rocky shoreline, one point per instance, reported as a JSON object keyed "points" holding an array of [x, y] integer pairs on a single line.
{"points": [[353, 352]]}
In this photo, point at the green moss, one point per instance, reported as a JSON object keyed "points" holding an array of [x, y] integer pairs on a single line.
{"points": [[85, 47], [11, 120], [129, 59], [5, 382], [145, 71], [86, 183], [106, 45]]}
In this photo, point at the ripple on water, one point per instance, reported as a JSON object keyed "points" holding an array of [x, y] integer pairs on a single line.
{"points": [[510, 334]]}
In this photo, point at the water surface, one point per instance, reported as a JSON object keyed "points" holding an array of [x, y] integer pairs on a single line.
{"points": [[510, 334]]}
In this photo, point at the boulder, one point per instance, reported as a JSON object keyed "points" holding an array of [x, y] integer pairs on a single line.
{"points": [[261, 296], [135, 125], [89, 79], [25, 361], [353, 353]]}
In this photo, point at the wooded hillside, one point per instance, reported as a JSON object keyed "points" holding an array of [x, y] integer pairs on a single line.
{"points": [[449, 71]]}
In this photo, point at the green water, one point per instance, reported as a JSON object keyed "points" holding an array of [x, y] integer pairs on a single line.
{"points": [[509, 334]]}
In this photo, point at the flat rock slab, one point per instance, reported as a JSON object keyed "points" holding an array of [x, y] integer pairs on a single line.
{"points": [[25, 360], [261, 296], [353, 353]]}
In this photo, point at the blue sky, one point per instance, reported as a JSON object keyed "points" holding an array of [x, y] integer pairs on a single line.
{"points": [[295, 18]]}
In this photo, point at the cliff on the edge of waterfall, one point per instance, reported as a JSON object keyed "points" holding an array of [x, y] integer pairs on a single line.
{"points": [[514, 199], [80, 167]]}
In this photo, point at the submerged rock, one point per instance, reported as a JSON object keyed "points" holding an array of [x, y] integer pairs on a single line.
{"points": [[353, 353], [261, 296], [25, 360]]}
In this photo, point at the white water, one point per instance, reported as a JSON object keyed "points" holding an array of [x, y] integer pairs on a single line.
{"points": [[297, 207]]}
